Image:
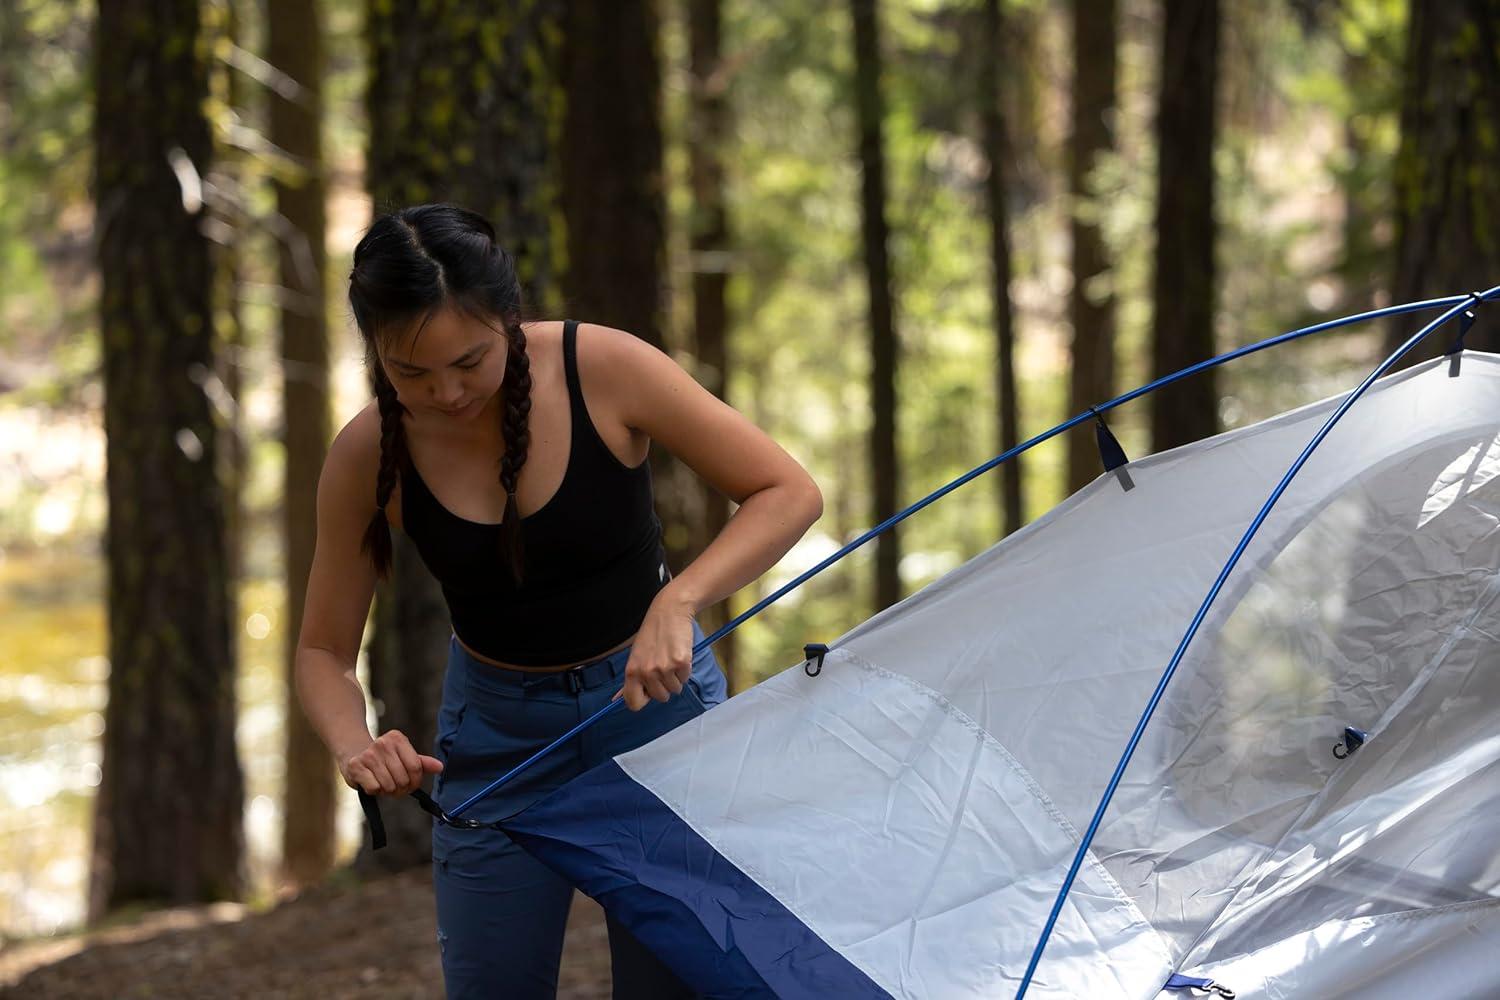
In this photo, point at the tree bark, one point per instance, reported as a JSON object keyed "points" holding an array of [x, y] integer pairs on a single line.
{"points": [[997, 152], [883, 346], [169, 813], [614, 204], [709, 245], [229, 258], [294, 47], [1091, 302], [1447, 189], [612, 190], [1183, 333], [465, 105]]}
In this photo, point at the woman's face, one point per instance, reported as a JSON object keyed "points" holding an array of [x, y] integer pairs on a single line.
{"points": [[451, 370]]}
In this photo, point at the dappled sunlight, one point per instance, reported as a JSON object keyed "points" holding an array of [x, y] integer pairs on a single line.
{"points": [[1465, 474]]}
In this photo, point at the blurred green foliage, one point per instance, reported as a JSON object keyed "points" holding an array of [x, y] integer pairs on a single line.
{"points": [[45, 212]]}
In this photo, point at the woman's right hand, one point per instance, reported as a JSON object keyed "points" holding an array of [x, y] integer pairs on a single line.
{"points": [[388, 765]]}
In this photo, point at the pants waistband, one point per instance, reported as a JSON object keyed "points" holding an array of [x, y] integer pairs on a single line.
{"points": [[584, 677]]}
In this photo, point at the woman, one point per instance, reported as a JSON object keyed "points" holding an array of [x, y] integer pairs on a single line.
{"points": [[514, 456]]}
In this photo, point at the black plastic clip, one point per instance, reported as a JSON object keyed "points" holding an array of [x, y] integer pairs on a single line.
{"points": [[1353, 740], [1465, 323], [814, 652], [1110, 453]]}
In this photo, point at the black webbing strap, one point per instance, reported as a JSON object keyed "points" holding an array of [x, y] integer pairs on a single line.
{"points": [[371, 805]]}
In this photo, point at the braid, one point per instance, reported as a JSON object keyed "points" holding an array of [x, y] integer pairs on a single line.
{"points": [[377, 540], [515, 398]]}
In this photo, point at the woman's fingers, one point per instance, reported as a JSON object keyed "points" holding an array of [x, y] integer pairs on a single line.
{"points": [[390, 774], [408, 764], [389, 766], [661, 681], [656, 689], [372, 773], [643, 687], [360, 778]]}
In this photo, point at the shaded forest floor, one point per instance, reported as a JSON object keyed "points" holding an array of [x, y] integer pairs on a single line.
{"points": [[360, 940]]}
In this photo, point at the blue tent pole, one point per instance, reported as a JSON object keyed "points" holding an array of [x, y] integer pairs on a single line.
{"points": [[1165, 380], [1166, 677]]}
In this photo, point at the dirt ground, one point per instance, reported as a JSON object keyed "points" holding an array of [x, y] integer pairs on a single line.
{"points": [[357, 940]]}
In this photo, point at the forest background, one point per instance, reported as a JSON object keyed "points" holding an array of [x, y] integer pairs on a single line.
{"points": [[900, 236]]}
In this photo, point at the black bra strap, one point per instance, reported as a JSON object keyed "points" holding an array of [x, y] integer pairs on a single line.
{"points": [[570, 362]]}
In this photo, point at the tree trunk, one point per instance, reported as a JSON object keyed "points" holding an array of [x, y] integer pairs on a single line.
{"points": [[1184, 283], [1091, 301], [708, 135], [294, 47], [614, 203], [997, 152], [883, 348], [227, 93], [464, 106], [169, 813], [1447, 189], [612, 192]]}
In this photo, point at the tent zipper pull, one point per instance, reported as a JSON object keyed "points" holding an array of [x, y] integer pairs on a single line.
{"points": [[1198, 986]]}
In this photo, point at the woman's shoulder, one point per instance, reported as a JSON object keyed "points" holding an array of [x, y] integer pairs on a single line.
{"points": [[357, 444], [352, 464], [598, 348], [614, 359]]}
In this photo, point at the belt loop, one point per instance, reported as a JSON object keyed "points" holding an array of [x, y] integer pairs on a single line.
{"points": [[573, 681]]}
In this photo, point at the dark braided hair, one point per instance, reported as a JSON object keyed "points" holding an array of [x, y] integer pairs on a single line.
{"points": [[410, 264]]}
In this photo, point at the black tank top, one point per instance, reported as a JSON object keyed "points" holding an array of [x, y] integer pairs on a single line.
{"points": [[593, 558]]}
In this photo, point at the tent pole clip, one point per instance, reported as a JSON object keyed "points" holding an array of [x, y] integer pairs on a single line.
{"points": [[813, 653], [1465, 321], [1111, 454], [1353, 740]]}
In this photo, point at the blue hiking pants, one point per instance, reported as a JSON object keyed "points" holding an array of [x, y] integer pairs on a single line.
{"points": [[501, 913]]}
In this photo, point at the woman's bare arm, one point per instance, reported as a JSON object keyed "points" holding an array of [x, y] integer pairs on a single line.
{"points": [[778, 500], [340, 588]]}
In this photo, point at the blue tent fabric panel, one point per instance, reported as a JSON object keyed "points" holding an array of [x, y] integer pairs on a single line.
{"points": [[715, 927]]}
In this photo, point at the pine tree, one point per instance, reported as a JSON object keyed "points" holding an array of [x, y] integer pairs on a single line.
{"points": [[168, 820]]}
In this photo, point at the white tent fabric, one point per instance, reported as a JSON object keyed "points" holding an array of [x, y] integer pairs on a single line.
{"points": [[918, 803]]}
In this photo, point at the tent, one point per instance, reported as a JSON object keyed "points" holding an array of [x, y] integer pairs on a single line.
{"points": [[1308, 809], [898, 824]]}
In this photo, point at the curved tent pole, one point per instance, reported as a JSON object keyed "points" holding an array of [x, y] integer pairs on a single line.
{"points": [[371, 804], [1463, 304]]}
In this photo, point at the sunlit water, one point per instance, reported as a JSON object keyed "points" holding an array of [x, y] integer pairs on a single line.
{"points": [[53, 687]]}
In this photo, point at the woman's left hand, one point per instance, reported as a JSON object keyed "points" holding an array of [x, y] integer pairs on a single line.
{"points": [[661, 657]]}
